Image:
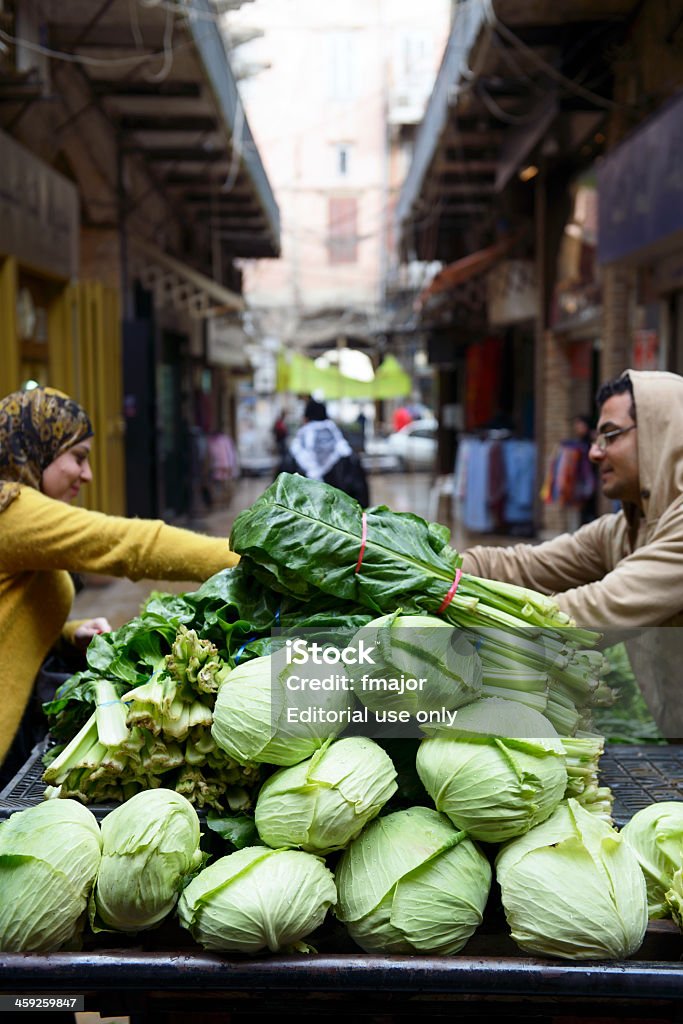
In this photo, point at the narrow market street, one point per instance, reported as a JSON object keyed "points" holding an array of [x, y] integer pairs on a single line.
{"points": [[349, 337], [120, 599]]}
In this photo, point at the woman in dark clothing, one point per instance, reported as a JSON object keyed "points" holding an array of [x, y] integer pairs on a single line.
{"points": [[320, 451]]}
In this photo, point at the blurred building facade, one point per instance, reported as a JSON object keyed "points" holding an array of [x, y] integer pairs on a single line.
{"points": [[130, 185], [546, 177], [334, 108]]}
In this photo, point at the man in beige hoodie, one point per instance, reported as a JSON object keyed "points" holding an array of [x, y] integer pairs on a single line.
{"points": [[624, 569]]}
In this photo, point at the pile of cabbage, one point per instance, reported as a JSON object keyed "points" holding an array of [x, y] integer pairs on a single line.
{"points": [[59, 871], [398, 837], [183, 697], [212, 724], [415, 880]]}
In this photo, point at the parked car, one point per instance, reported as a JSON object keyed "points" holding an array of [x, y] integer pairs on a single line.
{"points": [[258, 465], [411, 447], [415, 444], [256, 454]]}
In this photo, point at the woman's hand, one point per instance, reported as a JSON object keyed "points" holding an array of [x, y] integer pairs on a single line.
{"points": [[87, 630]]}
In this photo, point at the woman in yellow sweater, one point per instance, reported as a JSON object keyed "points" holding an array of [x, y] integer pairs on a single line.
{"points": [[45, 439]]}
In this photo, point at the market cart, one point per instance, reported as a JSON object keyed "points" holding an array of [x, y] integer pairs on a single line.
{"points": [[162, 976], [489, 979]]}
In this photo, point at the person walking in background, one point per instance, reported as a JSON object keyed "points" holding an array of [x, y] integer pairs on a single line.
{"points": [[45, 440], [280, 433], [224, 464], [320, 451], [401, 417], [571, 480], [588, 482], [361, 423]]}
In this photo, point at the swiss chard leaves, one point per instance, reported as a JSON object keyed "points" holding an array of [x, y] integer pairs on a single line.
{"points": [[302, 535]]}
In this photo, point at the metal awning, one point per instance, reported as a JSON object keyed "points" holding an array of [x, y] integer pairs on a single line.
{"points": [[468, 22], [510, 84], [146, 116], [174, 282], [464, 269]]}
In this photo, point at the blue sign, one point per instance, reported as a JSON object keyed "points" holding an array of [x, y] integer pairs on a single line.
{"points": [[640, 186]]}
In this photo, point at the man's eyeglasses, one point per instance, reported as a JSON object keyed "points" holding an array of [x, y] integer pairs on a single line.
{"points": [[603, 441]]}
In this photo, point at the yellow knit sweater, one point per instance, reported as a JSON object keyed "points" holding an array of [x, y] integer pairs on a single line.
{"points": [[41, 540]]}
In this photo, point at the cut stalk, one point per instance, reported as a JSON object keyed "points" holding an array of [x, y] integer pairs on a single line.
{"points": [[110, 715]]}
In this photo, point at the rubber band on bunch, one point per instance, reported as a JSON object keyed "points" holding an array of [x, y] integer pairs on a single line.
{"points": [[451, 593], [363, 539]]}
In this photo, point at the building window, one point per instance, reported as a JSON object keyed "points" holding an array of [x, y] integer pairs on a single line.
{"points": [[342, 56], [342, 159], [412, 58], [343, 229]]}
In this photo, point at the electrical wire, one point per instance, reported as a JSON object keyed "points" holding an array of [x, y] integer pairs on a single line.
{"points": [[506, 54], [506, 116], [135, 24], [99, 62], [237, 143], [167, 65], [506, 33]]}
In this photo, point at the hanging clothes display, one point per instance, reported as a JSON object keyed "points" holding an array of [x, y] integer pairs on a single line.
{"points": [[494, 483], [520, 481], [570, 480], [223, 457], [483, 382], [477, 514]]}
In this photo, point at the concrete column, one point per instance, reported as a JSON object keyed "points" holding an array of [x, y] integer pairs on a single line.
{"points": [[618, 300], [556, 378]]}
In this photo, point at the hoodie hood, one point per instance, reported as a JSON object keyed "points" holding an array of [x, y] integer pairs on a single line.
{"points": [[659, 411]]}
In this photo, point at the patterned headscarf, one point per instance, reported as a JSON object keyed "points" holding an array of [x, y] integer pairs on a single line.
{"points": [[35, 428]]}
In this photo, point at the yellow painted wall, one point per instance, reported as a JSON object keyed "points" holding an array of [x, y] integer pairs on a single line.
{"points": [[83, 358], [9, 342]]}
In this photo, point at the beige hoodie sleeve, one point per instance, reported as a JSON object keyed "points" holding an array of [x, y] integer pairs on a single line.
{"points": [[645, 588], [566, 561], [591, 583]]}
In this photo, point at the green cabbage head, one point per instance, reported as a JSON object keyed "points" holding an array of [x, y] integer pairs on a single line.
{"points": [[257, 715], [410, 883], [150, 844], [572, 888], [495, 788], [256, 899], [420, 663], [655, 834], [49, 856], [497, 716], [324, 802]]}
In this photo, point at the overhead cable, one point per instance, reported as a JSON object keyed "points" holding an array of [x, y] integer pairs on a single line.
{"points": [[528, 51]]}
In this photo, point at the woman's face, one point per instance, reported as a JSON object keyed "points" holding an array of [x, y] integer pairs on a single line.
{"points": [[63, 478]]}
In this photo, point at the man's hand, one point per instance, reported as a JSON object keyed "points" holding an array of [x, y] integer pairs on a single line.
{"points": [[87, 630]]}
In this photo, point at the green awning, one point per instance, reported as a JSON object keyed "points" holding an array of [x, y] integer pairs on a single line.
{"points": [[391, 380], [300, 375]]}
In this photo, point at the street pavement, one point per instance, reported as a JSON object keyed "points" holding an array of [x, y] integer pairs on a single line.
{"points": [[120, 600]]}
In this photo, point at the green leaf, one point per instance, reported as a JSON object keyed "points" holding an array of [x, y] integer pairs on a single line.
{"points": [[165, 606], [237, 829], [302, 535]]}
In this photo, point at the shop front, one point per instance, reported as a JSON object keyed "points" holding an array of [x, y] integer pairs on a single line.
{"points": [[485, 364], [179, 373], [641, 238], [55, 329]]}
